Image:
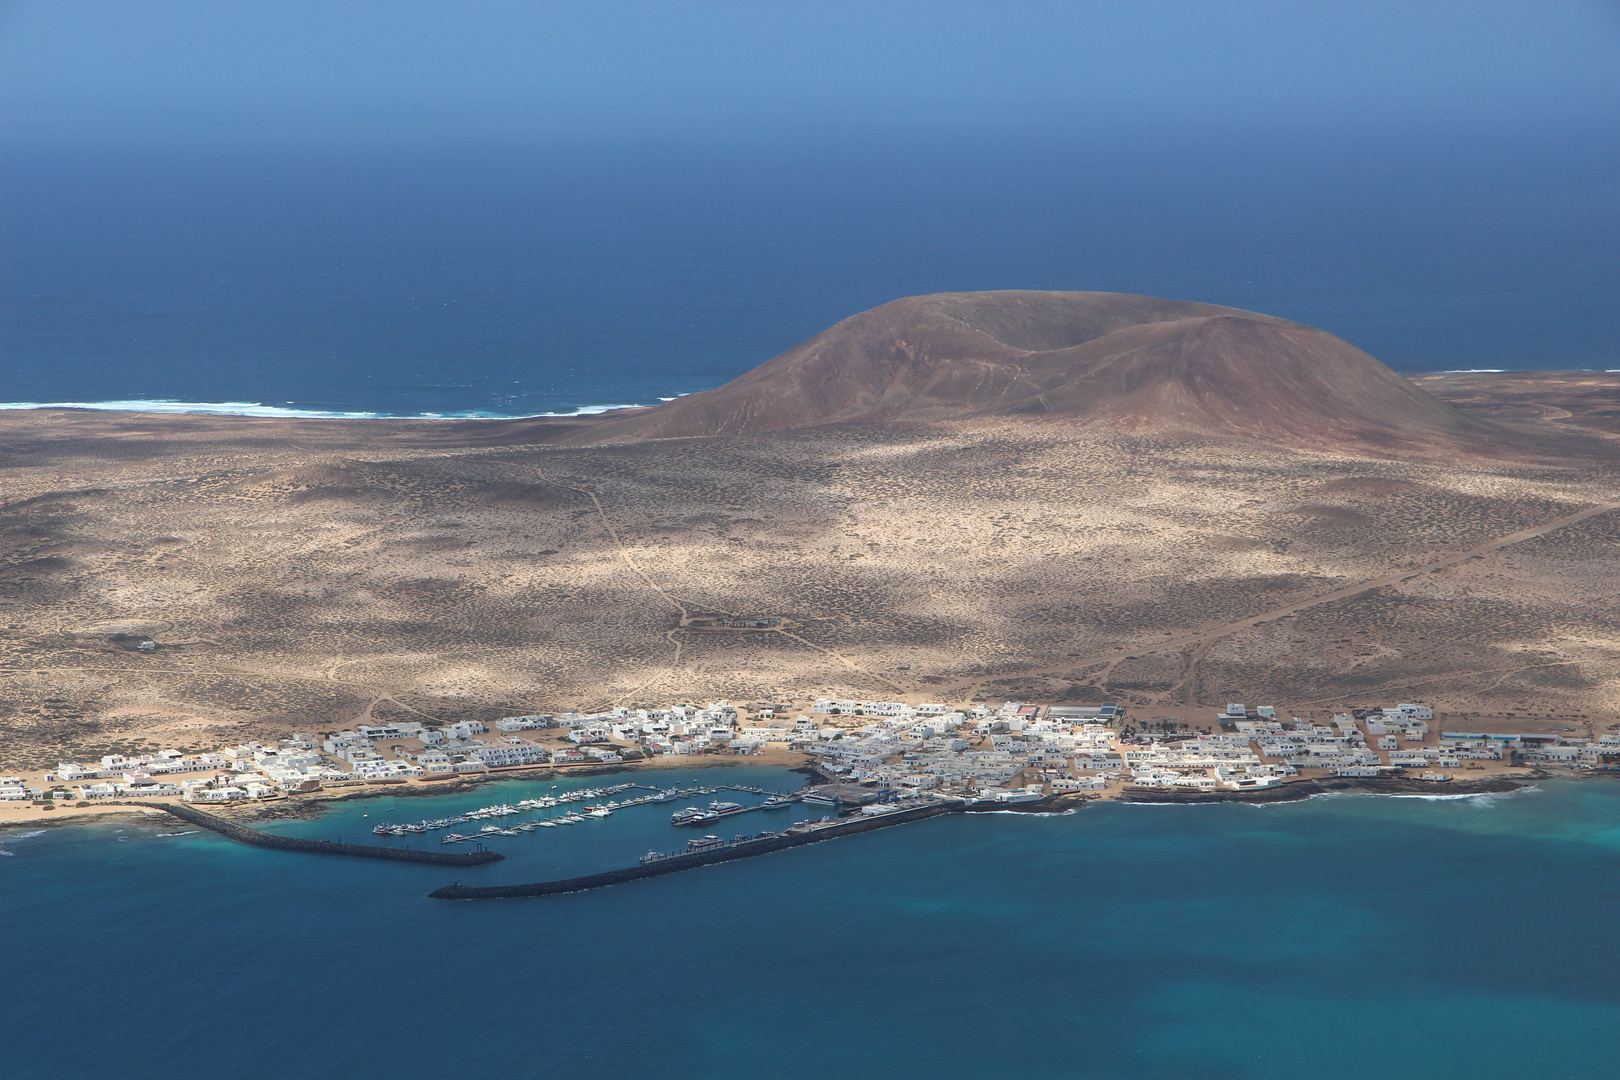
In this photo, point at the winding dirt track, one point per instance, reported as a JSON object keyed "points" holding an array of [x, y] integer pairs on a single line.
{"points": [[686, 615], [1200, 643]]}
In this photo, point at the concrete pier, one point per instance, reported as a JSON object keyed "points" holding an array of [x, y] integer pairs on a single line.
{"points": [[676, 863], [254, 838]]}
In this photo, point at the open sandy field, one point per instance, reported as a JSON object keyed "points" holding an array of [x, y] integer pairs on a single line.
{"points": [[305, 575]]}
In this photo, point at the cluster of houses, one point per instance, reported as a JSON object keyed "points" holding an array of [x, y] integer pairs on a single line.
{"points": [[1022, 748], [1021, 751], [1007, 752], [1013, 752], [393, 751]]}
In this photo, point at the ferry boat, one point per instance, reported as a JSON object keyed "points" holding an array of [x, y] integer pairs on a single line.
{"points": [[704, 843], [818, 799], [685, 817], [776, 802], [723, 809]]}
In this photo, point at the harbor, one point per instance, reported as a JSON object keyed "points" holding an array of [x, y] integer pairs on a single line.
{"points": [[563, 827], [708, 851], [585, 805]]}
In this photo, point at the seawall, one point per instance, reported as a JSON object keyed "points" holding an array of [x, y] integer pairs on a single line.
{"points": [[254, 838], [676, 863]]}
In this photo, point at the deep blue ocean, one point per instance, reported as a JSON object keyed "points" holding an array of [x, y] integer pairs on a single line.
{"points": [[509, 280], [1340, 938]]}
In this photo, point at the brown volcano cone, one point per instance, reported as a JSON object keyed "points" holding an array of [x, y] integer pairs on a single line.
{"points": [[1133, 361]]}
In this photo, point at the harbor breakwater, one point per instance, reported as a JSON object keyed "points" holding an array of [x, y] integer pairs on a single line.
{"points": [[253, 837], [675, 863]]}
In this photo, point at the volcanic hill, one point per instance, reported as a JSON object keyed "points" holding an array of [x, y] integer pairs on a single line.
{"points": [[1133, 361]]}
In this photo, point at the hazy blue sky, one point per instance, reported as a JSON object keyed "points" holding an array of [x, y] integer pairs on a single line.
{"points": [[397, 69]]}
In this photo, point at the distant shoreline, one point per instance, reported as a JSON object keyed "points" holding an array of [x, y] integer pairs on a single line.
{"points": [[259, 410], [312, 806]]}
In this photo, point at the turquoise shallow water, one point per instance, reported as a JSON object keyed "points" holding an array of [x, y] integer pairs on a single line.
{"points": [[1347, 936]]}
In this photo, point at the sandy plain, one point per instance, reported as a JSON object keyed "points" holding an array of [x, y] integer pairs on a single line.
{"points": [[303, 575]]}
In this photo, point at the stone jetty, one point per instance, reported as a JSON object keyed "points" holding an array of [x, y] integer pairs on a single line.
{"points": [[254, 838], [690, 861]]}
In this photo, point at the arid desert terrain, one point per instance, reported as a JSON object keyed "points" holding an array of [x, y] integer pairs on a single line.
{"points": [[301, 575]]}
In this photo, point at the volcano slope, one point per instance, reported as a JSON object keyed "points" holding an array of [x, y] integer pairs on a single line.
{"points": [[303, 575], [1135, 361]]}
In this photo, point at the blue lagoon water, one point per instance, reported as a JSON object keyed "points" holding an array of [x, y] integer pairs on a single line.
{"points": [[575, 275], [1343, 937]]}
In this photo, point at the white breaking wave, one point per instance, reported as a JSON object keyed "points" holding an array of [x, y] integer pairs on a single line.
{"points": [[224, 408], [1471, 371], [253, 408], [1032, 813], [1484, 798]]}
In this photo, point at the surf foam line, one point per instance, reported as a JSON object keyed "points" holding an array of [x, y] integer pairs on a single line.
{"points": [[218, 408], [258, 409]]}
